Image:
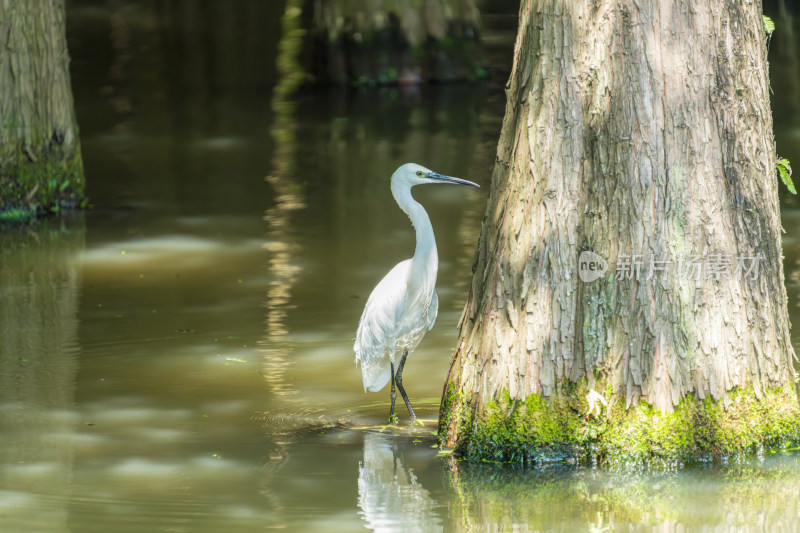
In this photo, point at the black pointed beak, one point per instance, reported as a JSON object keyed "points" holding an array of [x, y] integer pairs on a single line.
{"points": [[435, 176]]}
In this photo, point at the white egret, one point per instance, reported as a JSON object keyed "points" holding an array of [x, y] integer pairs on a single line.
{"points": [[403, 306]]}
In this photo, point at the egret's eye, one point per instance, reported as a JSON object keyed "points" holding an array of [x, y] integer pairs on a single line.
{"points": [[419, 173]]}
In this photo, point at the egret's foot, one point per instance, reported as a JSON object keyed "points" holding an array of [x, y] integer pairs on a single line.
{"points": [[393, 419]]}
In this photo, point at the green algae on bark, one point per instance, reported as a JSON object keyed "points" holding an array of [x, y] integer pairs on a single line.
{"points": [[48, 184], [561, 429], [41, 170]]}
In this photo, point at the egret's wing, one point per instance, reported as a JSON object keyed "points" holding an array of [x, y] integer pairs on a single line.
{"points": [[377, 329], [433, 310]]}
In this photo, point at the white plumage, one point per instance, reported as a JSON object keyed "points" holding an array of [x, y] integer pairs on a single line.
{"points": [[385, 330], [403, 306]]}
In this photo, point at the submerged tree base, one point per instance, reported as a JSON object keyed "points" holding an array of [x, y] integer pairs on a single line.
{"points": [[36, 188], [41, 169], [562, 428]]}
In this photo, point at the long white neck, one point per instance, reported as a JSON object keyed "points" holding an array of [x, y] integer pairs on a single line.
{"points": [[425, 262]]}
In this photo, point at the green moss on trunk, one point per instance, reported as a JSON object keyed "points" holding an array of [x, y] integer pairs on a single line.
{"points": [[454, 411], [47, 183], [561, 428]]}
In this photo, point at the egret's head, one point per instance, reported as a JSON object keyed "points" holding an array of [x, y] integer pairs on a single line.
{"points": [[412, 174]]}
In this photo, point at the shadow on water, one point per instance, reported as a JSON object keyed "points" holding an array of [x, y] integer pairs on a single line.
{"points": [[181, 357]]}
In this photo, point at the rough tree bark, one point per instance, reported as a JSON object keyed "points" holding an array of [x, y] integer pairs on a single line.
{"points": [[640, 131], [40, 159], [383, 42]]}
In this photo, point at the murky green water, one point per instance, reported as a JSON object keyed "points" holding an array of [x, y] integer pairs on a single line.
{"points": [[180, 358]]}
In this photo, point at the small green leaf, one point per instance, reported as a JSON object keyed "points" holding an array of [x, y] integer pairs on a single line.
{"points": [[769, 25], [785, 171]]}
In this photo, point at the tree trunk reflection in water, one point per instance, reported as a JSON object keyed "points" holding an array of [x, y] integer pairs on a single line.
{"points": [[783, 42], [288, 197], [752, 496], [39, 287], [282, 245], [396, 42]]}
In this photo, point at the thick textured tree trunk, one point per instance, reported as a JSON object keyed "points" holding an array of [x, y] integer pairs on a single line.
{"points": [[40, 159], [640, 132], [383, 42]]}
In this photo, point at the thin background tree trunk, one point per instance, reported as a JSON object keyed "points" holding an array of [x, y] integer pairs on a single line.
{"points": [[631, 129], [40, 160]]}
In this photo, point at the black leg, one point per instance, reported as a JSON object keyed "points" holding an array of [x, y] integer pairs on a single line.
{"points": [[392, 395], [399, 380]]}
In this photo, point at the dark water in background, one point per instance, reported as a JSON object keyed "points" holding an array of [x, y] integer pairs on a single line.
{"points": [[180, 357]]}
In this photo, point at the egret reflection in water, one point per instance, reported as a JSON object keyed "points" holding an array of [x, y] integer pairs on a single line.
{"points": [[389, 496]]}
